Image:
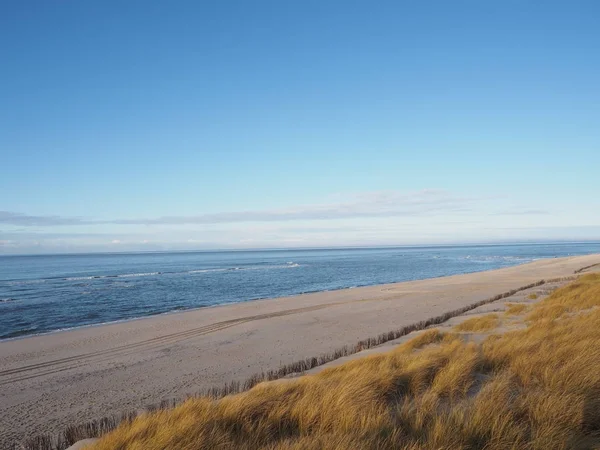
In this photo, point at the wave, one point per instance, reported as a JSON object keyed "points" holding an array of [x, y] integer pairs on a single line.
{"points": [[8, 300], [208, 270], [21, 282], [498, 259], [19, 333], [146, 274], [234, 269], [288, 265], [123, 275]]}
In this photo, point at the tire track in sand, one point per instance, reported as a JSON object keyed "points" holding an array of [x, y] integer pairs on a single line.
{"points": [[70, 362]]}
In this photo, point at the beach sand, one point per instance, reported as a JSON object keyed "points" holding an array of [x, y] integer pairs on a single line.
{"points": [[50, 381]]}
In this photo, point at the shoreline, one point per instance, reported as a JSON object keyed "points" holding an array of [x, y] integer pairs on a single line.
{"points": [[289, 296], [69, 377]]}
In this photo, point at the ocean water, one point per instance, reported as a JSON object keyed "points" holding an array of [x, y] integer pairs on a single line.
{"points": [[45, 293]]}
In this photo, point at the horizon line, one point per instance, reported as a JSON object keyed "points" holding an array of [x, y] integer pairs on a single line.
{"points": [[356, 247]]}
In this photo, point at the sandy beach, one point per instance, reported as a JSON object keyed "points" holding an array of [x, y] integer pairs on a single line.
{"points": [[50, 381]]}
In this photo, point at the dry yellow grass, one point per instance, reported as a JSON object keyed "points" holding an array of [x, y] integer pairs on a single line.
{"points": [[535, 388], [532, 296], [515, 308], [476, 324]]}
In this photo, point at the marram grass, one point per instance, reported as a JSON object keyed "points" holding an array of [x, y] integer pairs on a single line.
{"points": [[536, 388], [478, 324], [515, 308]]}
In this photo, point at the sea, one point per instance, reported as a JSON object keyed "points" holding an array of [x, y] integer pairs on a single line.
{"points": [[47, 293]]}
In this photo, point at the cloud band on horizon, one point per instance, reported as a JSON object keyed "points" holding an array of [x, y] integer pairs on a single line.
{"points": [[371, 204]]}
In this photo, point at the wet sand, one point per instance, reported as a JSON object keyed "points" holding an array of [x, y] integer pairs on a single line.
{"points": [[47, 382]]}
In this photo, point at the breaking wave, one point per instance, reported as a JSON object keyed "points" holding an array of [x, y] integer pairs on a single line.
{"points": [[287, 265]]}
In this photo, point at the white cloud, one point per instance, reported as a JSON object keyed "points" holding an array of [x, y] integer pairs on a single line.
{"points": [[26, 220], [368, 218], [368, 204]]}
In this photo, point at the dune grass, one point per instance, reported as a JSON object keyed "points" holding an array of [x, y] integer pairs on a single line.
{"points": [[532, 296], [515, 308], [477, 324], [535, 388]]}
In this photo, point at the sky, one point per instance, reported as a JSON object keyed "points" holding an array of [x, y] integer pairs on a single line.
{"points": [[155, 125]]}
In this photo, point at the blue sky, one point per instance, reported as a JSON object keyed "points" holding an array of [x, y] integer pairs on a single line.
{"points": [[147, 125]]}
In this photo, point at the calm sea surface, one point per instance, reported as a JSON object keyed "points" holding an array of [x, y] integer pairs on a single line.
{"points": [[39, 294]]}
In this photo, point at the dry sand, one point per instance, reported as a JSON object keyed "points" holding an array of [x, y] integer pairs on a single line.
{"points": [[47, 382]]}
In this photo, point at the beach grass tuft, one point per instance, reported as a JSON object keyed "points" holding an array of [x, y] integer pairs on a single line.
{"points": [[478, 324], [515, 308]]}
